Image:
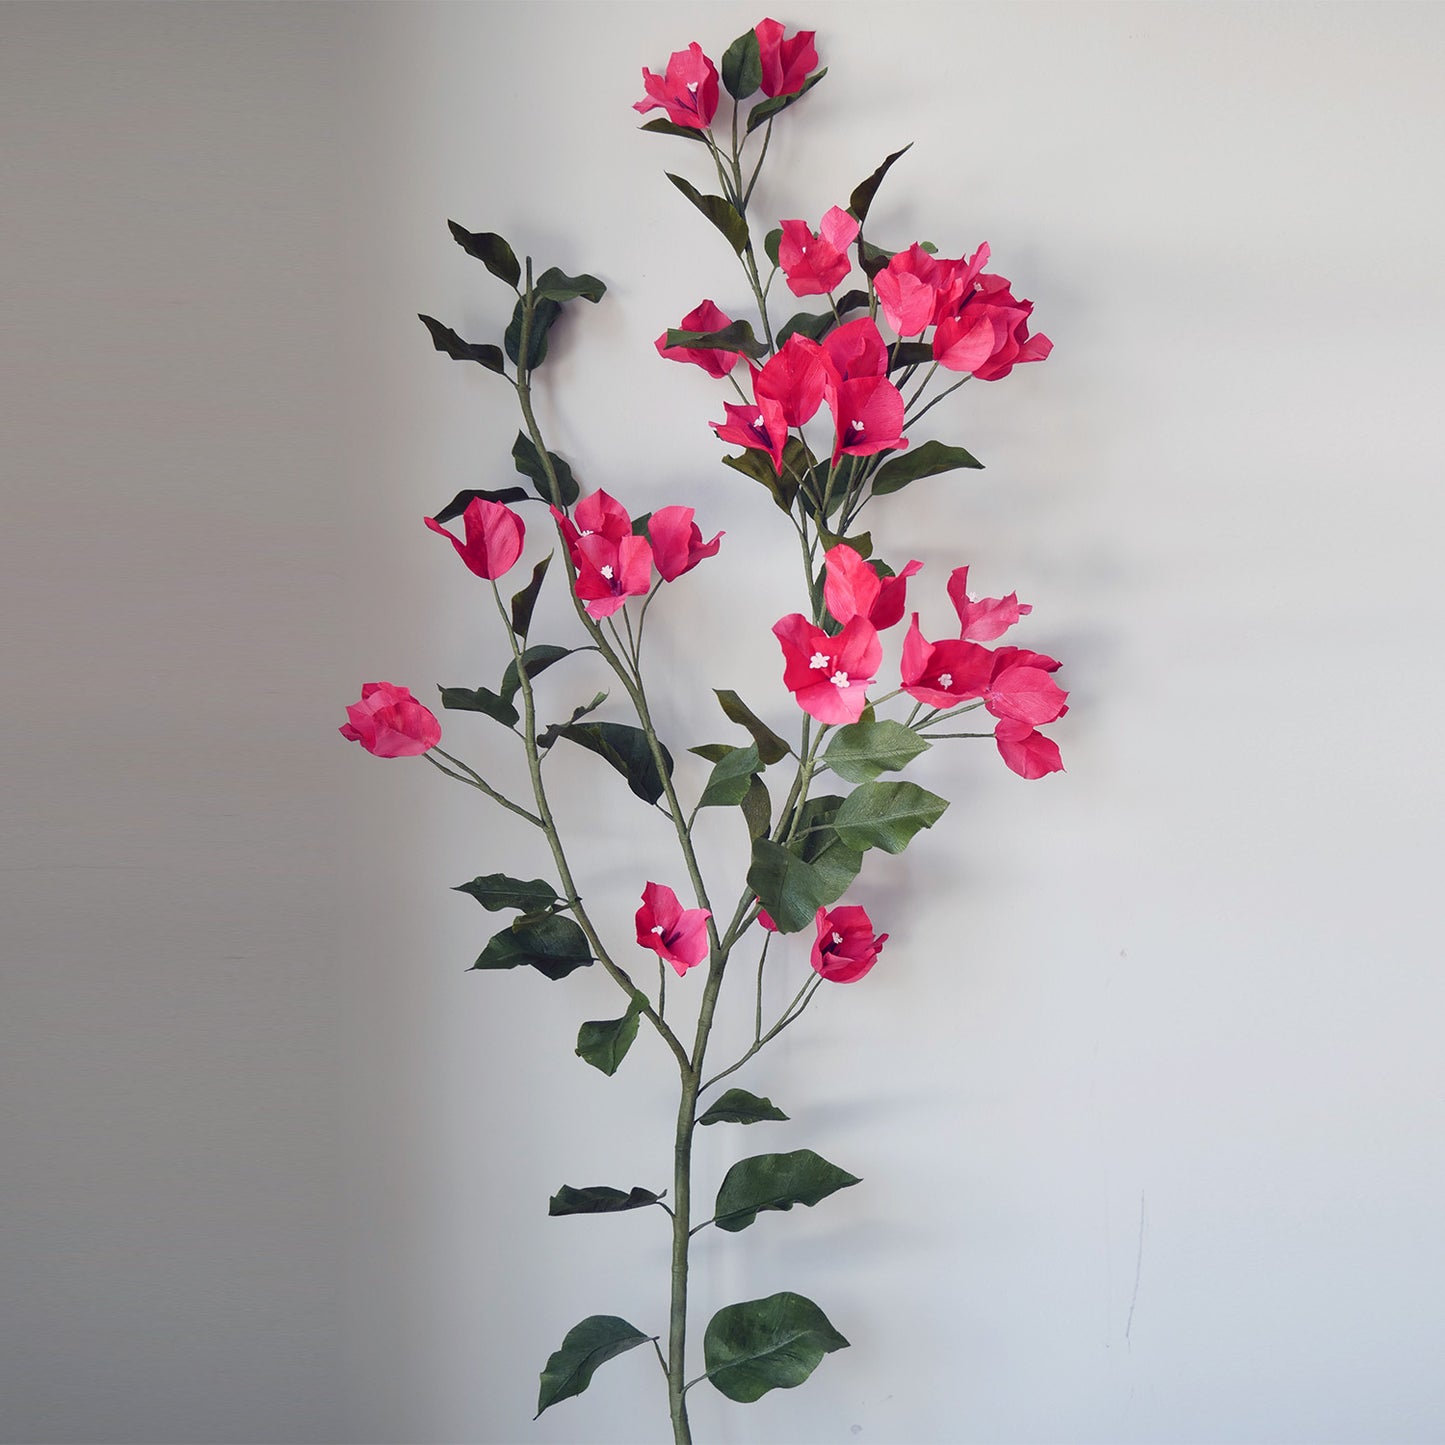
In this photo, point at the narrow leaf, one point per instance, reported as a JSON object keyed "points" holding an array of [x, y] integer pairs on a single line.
{"points": [[528, 461], [556, 285], [771, 243], [767, 1344], [548, 736], [553, 945], [757, 806], [604, 1043], [775, 1181], [735, 336], [771, 748], [765, 110], [852, 301], [737, 1106], [525, 601], [720, 212], [731, 777], [860, 751], [909, 353], [667, 127], [862, 197], [480, 699], [491, 250], [927, 460], [496, 891], [598, 1199], [585, 1348], [626, 749], [447, 340], [463, 500], [534, 660], [742, 66], [887, 815]]}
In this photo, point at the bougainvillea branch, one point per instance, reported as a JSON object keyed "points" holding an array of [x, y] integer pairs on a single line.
{"points": [[825, 403]]}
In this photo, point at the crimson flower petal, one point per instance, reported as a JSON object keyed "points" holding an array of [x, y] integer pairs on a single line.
{"points": [[687, 91], [494, 537], [845, 948], [673, 932], [390, 723], [706, 317], [677, 544], [786, 62], [1028, 752]]}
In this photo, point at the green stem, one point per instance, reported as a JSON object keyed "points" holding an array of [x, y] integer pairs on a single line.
{"points": [[912, 420], [475, 780]]}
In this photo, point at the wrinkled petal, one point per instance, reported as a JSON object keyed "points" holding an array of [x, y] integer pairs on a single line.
{"points": [[677, 544], [1028, 752], [845, 948], [687, 91], [787, 63], [1025, 694], [985, 618], [494, 535], [390, 723], [706, 317], [867, 416]]}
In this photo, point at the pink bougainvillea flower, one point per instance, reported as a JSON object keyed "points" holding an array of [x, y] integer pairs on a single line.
{"points": [[747, 426], [673, 932], [829, 676], [1020, 689], [786, 63], [845, 948], [705, 317], [908, 290], [687, 92], [1026, 750], [943, 674], [852, 588], [390, 723], [989, 334], [867, 417], [609, 572], [494, 537], [791, 385], [596, 512], [815, 264], [956, 280], [983, 619], [857, 349], [677, 544]]}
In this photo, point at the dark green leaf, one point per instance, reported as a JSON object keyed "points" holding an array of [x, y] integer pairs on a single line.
{"points": [[598, 1199], [887, 815], [765, 110], [626, 748], [775, 1181], [852, 301], [640, 524], [735, 336], [491, 250], [666, 127], [585, 1348], [909, 353], [789, 888], [524, 601], [834, 864], [463, 500], [927, 460], [860, 542], [860, 751], [447, 340], [534, 660], [767, 1344], [771, 242], [713, 752], [737, 1106], [872, 258], [528, 461], [604, 1043], [556, 285], [496, 891], [759, 466], [548, 736], [480, 699], [544, 313], [771, 748], [862, 197], [731, 777], [814, 325], [757, 806], [553, 945], [742, 66], [723, 214]]}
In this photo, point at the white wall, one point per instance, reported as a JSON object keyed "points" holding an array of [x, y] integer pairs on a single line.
{"points": [[1147, 1093]]}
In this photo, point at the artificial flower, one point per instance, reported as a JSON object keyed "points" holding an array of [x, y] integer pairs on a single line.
{"points": [[705, 317], [983, 619], [867, 417], [988, 334], [851, 588], [786, 62], [677, 544], [815, 264], [845, 948], [673, 932], [1019, 687], [829, 676], [687, 92], [857, 349], [943, 674], [390, 723], [1026, 750], [494, 537]]}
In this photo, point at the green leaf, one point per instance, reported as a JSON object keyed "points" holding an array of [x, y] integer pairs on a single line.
{"points": [[814, 325], [463, 500], [528, 461], [496, 891], [447, 340], [759, 466], [666, 127], [713, 752], [491, 250], [534, 660], [771, 242], [860, 751], [872, 258], [834, 864], [767, 1344], [737, 1106], [735, 336], [604, 1043], [553, 945], [771, 748], [480, 699], [909, 353], [765, 110], [598, 1199], [757, 806], [585, 1348], [544, 313], [775, 1181], [860, 542], [887, 815], [927, 460], [862, 197], [626, 748], [731, 777], [789, 888], [723, 214], [556, 285], [548, 736], [524, 601], [852, 301], [742, 66]]}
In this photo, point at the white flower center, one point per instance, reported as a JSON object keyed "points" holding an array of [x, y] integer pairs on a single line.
{"points": [[585, 532], [837, 938], [692, 86], [945, 679], [658, 929], [607, 571], [856, 425], [818, 661], [839, 678]]}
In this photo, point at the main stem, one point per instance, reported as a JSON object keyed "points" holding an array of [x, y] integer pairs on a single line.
{"points": [[681, 1235]]}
